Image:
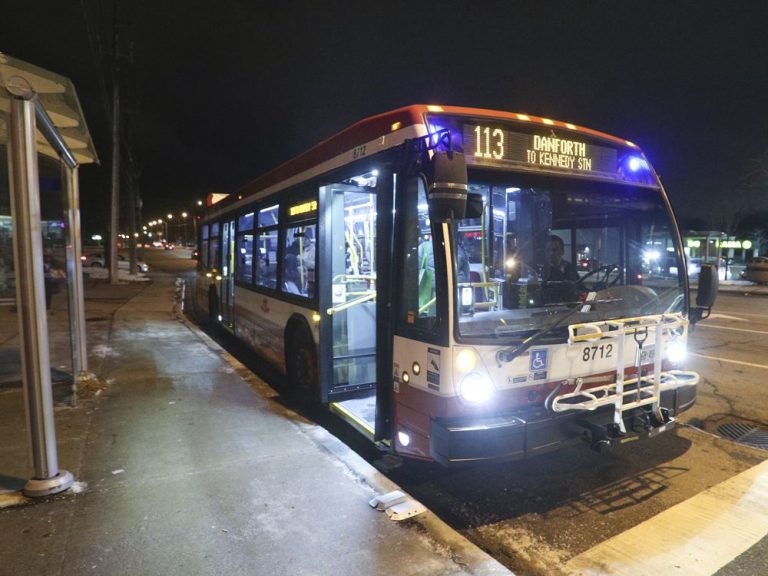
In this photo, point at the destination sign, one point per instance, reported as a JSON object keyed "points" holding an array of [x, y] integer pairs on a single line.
{"points": [[497, 145], [303, 208]]}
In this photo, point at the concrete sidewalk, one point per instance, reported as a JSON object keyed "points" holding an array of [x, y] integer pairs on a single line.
{"points": [[186, 465]]}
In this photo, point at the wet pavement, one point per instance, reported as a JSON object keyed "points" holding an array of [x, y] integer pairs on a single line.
{"points": [[186, 463]]}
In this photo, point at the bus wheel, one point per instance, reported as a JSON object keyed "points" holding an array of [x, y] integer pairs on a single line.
{"points": [[302, 367]]}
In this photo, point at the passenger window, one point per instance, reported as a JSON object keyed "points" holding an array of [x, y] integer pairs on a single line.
{"points": [[299, 260], [266, 247]]}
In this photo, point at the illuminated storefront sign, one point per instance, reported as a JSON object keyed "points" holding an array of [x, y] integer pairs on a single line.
{"points": [[735, 244]]}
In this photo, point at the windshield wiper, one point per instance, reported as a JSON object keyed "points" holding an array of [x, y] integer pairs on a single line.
{"points": [[508, 354]]}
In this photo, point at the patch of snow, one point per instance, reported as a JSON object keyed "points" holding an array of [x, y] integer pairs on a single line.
{"points": [[104, 351], [122, 275]]}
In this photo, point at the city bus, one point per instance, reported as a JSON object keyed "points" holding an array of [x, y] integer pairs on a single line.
{"points": [[462, 285]]}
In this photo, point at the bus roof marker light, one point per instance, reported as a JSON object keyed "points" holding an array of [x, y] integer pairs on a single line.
{"points": [[434, 108], [395, 126], [524, 117], [548, 122], [570, 126]]}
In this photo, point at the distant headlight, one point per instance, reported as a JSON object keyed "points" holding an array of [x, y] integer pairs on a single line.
{"points": [[676, 352], [475, 388]]}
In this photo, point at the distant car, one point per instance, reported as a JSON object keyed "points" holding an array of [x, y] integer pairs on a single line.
{"points": [[195, 254], [97, 261], [694, 267], [757, 270], [169, 246]]}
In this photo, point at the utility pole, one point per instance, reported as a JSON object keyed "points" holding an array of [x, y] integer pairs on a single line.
{"points": [[114, 220]]}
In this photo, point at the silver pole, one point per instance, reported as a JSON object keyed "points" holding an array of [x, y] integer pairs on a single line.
{"points": [[114, 212], [30, 296], [71, 186]]}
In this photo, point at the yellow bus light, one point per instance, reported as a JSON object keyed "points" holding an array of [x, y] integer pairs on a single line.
{"points": [[466, 361]]}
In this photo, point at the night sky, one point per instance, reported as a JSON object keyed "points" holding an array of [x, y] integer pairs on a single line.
{"points": [[217, 93]]}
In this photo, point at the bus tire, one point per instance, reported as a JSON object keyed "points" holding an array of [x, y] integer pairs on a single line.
{"points": [[213, 305], [301, 361]]}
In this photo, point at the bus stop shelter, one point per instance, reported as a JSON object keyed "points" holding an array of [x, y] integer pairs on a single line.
{"points": [[40, 115]]}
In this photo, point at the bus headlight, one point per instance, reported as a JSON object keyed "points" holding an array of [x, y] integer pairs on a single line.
{"points": [[465, 360], [676, 351], [475, 388]]}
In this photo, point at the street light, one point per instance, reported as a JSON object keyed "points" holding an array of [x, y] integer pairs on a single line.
{"points": [[184, 220], [170, 217]]}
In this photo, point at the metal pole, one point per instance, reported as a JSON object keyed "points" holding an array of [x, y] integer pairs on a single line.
{"points": [[114, 213], [30, 297], [71, 186]]}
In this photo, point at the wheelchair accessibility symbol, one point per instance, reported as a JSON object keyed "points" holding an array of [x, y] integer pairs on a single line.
{"points": [[538, 360]]}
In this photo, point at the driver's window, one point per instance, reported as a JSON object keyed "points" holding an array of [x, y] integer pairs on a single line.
{"points": [[596, 249]]}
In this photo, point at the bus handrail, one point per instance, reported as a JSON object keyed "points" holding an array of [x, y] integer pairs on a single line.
{"points": [[427, 305], [351, 303], [352, 277]]}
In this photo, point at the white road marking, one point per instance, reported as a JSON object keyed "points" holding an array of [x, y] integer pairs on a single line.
{"points": [[763, 366], [733, 329], [728, 317], [696, 537]]}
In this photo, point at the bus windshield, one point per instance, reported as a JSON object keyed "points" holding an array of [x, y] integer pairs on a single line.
{"points": [[548, 246]]}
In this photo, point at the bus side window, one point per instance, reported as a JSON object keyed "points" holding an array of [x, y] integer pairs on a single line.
{"points": [[265, 251], [418, 301]]}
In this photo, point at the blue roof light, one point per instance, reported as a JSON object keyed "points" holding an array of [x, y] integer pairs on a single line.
{"points": [[635, 163]]}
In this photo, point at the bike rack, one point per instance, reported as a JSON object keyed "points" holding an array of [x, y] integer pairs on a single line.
{"points": [[626, 393]]}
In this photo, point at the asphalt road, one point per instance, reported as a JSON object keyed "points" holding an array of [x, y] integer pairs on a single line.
{"points": [[540, 515], [730, 351]]}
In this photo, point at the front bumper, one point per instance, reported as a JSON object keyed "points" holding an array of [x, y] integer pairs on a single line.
{"points": [[456, 441]]}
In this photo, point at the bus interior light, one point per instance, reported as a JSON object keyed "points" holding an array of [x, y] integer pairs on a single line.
{"points": [[405, 377], [416, 368], [466, 296], [404, 438]]}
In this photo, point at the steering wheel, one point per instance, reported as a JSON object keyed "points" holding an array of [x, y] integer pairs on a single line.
{"points": [[602, 277]]}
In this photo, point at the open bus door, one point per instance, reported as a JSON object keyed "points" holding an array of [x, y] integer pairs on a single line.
{"points": [[355, 340]]}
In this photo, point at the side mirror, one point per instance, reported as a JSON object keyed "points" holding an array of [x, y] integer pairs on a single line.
{"points": [[447, 195], [474, 205], [708, 285], [706, 294]]}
